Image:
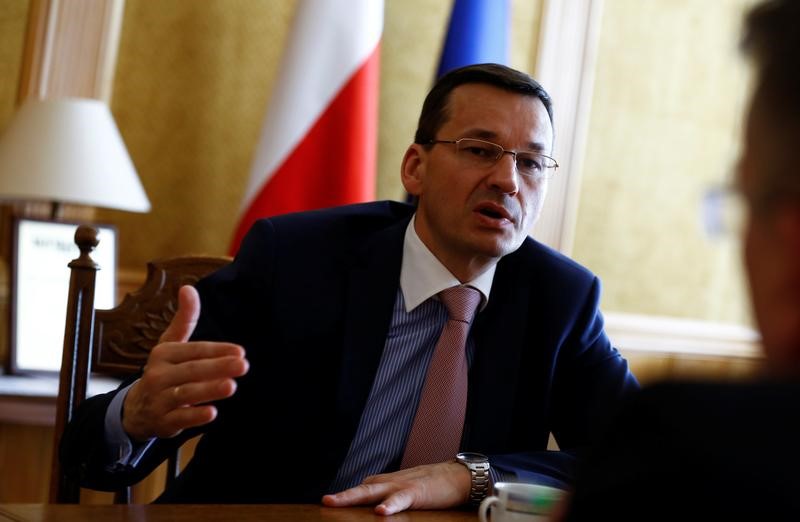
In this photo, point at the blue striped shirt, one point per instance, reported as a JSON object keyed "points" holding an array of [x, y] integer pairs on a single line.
{"points": [[392, 403]]}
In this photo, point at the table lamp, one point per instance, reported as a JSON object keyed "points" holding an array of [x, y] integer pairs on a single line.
{"points": [[68, 150], [63, 150]]}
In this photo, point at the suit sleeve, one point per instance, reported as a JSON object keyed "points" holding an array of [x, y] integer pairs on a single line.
{"points": [[589, 379]]}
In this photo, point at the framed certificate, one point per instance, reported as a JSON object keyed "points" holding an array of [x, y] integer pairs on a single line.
{"points": [[39, 287]]}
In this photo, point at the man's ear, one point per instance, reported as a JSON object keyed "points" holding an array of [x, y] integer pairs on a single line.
{"points": [[412, 170]]}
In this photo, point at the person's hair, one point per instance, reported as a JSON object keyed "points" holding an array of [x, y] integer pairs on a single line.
{"points": [[772, 39], [434, 111]]}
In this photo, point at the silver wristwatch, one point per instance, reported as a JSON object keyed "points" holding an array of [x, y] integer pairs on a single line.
{"points": [[478, 466]]}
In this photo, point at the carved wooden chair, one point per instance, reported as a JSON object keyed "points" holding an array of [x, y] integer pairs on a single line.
{"points": [[114, 342]]}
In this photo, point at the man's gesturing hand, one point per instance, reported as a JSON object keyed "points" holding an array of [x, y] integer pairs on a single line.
{"points": [[432, 486], [180, 377]]}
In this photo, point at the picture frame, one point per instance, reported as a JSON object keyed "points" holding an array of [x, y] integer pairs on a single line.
{"points": [[41, 253]]}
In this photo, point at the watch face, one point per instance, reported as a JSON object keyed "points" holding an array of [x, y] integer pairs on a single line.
{"points": [[472, 458]]}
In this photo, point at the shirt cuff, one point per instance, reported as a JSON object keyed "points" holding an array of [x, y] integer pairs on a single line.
{"points": [[123, 452]]}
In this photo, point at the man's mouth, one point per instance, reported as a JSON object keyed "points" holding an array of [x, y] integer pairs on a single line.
{"points": [[494, 211]]}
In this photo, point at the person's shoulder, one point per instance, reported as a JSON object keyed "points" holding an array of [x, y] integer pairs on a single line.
{"points": [[350, 219], [720, 397], [694, 412], [706, 438], [687, 389], [376, 211], [682, 396]]}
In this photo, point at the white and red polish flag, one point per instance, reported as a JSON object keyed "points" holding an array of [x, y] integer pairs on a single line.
{"points": [[319, 140]]}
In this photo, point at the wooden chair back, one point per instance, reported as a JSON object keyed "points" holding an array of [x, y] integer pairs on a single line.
{"points": [[114, 342]]}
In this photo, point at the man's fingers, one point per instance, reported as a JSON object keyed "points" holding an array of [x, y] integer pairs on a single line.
{"points": [[357, 496], [174, 408], [174, 352], [165, 388], [199, 392], [183, 418], [161, 416], [430, 486], [182, 325], [204, 370], [396, 502], [386, 495]]}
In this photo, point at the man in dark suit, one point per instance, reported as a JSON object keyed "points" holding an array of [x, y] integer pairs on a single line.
{"points": [[717, 451], [338, 312]]}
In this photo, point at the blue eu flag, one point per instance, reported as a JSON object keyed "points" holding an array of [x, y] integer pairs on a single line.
{"points": [[478, 33]]}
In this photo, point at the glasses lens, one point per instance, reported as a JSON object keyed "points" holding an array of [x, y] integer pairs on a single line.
{"points": [[484, 154], [723, 212], [478, 152], [532, 164]]}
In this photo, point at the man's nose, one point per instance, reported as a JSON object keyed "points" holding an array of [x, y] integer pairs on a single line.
{"points": [[504, 176]]}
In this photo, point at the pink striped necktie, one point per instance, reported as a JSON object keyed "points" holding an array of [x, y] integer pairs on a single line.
{"points": [[435, 435]]}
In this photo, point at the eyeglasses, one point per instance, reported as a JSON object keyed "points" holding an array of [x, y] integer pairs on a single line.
{"points": [[724, 210], [726, 207], [484, 154]]}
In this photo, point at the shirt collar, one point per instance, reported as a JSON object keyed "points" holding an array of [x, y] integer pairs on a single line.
{"points": [[423, 276]]}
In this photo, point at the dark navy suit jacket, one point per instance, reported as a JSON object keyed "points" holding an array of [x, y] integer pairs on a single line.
{"points": [[310, 297]]}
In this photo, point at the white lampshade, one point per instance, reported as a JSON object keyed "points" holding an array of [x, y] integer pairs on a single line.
{"points": [[68, 150]]}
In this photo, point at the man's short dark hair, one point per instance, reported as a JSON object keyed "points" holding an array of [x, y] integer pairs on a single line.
{"points": [[772, 38], [434, 110]]}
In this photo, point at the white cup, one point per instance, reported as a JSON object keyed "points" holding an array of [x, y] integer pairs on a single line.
{"points": [[518, 502]]}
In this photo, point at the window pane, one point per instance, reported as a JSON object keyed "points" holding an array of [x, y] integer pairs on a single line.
{"points": [[667, 110]]}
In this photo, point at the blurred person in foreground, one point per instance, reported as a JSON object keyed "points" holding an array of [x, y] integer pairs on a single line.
{"points": [[728, 451], [339, 312]]}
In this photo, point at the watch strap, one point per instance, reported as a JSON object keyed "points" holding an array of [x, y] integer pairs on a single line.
{"points": [[480, 479], [479, 488]]}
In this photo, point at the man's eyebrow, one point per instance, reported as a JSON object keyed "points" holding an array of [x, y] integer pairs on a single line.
{"points": [[484, 134]]}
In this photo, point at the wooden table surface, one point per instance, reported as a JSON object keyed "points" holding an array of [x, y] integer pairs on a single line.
{"points": [[217, 513]]}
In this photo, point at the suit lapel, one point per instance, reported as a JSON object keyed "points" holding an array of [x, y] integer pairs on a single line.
{"points": [[499, 332], [372, 289]]}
